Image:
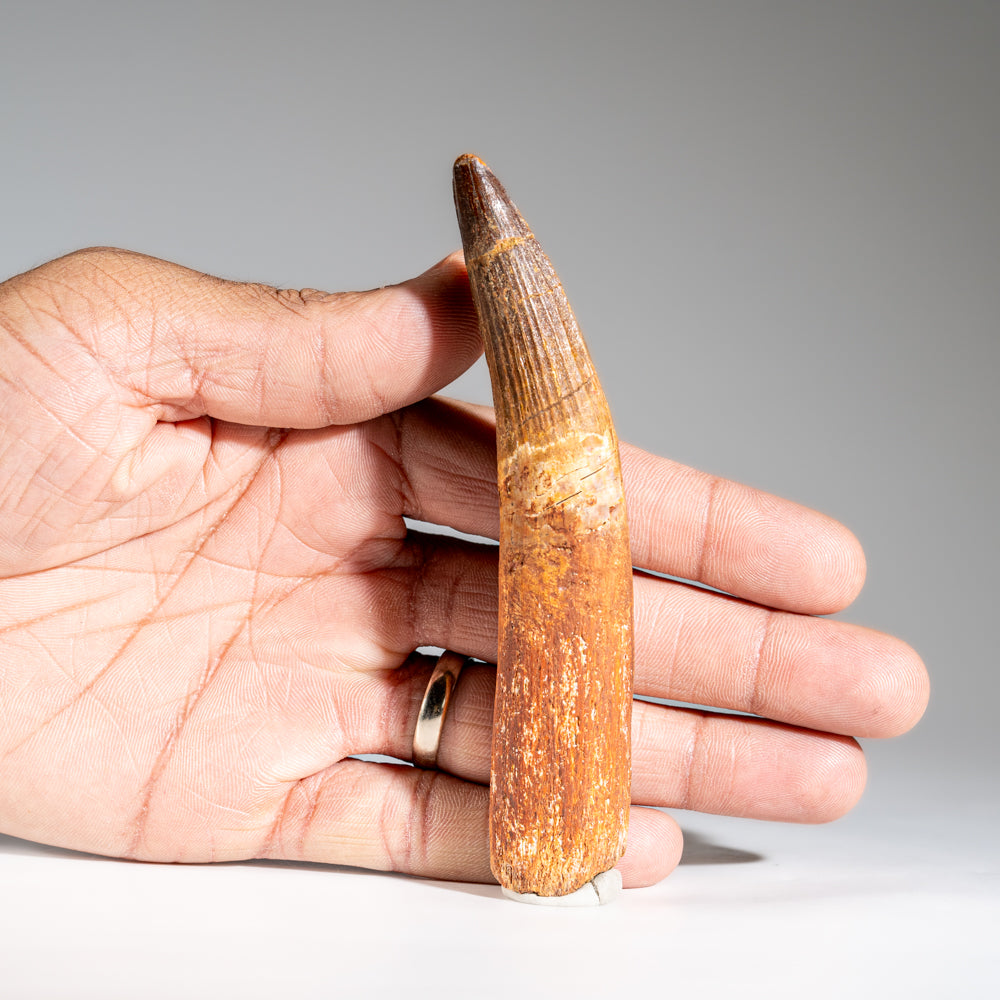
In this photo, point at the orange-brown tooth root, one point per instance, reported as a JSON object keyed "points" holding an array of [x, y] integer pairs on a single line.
{"points": [[561, 768]]}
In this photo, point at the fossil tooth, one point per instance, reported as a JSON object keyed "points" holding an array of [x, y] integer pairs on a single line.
{"points": [[560, 781]]}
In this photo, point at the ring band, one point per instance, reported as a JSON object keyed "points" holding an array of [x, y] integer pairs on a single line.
{"points": [[430, 721]]}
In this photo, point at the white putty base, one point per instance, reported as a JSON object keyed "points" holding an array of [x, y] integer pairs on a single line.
{"points": [[599, 890]]}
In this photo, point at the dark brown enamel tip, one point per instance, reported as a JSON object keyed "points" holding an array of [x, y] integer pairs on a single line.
{"points": [[486, 215]]}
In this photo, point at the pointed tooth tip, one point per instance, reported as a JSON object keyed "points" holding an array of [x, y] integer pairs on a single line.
{"points": [[475, 167], [472, 174], [485, 212], [470, 160]]}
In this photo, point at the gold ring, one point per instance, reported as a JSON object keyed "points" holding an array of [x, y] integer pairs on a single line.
{"points": [[430, 721]]}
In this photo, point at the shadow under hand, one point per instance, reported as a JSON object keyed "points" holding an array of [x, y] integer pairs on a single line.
{"points": [[29, 848], [698, 850], [468, 888]]}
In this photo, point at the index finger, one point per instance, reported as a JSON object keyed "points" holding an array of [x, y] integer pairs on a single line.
{"points": [[682, 522]]}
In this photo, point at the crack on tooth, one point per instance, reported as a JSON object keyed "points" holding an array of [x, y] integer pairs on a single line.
{"points": [[501, 246], [564, 499], [561, 399]]}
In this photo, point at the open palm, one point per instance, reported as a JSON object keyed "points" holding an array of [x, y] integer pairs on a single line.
{"points": [[203, 616]]}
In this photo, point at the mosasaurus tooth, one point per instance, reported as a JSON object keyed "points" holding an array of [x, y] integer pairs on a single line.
{"points": [[561, 766]]}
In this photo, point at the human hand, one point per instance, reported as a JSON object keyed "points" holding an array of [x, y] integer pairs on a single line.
{"points": [[203, 617]]}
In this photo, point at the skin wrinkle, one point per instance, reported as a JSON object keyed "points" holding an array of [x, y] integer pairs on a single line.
{"points": [[14, 387], [136, 769], [452, 592], [418, 584], [238, 568], [386, 823], [153, 339], [272, 845], [409, 502], [275, 467], [427, 589], [370, 325], [153, 532], [471, 488], [214, 805], [76, 567], [638, 723], [296, 300], [672, 659], [275, 843], [323, 367], [197, 377], [15, 501], [28, 623], [700, 721], [141, 623], [752, 697], [311, 787], [376, 559], [88, 261], [401, 486], [246, 741], [140, 821], [402, 697], [63, 495], [418, 821], [56, 292], [57, 498], [381, 402], [260, 381], [23, 342], [53, 660], [63, 426], [342, 482], [709, 504], [93, 260], [122, 299]]}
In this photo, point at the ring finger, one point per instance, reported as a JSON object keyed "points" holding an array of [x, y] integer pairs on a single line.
{"points": [[682, 758]]}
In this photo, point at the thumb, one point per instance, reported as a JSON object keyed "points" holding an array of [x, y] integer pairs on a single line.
{"points": [[253, 354]]}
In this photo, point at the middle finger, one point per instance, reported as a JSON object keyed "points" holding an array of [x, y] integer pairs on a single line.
{"points": [[692, 645]]}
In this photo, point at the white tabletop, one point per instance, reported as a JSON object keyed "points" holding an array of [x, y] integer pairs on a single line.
{"points": [[902, 898]]}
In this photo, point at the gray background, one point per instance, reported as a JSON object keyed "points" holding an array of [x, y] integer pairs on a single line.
{"points": [[779, 224]]}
